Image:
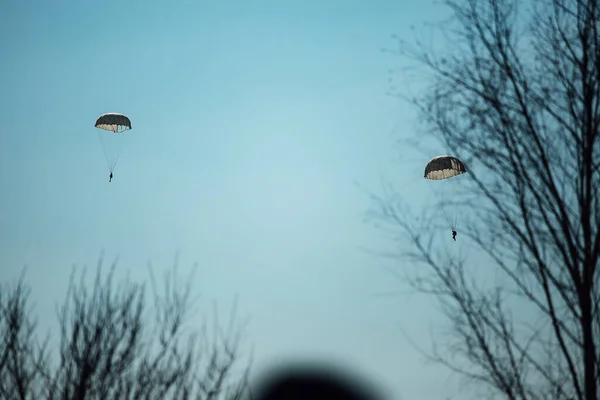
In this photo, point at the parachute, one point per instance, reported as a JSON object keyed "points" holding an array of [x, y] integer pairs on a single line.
{"points": [[111, 134], [442, 173]]}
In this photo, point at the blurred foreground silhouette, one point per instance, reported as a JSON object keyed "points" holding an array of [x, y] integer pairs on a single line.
{"points": [[307, 381]]}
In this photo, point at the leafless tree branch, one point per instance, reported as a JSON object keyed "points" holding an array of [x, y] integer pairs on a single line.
{"points": [[110, 349]]}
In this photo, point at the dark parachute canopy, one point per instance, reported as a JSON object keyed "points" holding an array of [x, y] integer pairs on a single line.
{"points": [[439, 171], [111, 134], [113, 122], [444, 167]]}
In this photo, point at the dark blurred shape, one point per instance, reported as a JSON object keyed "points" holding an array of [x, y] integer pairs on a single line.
{"points": [[312, 382]]}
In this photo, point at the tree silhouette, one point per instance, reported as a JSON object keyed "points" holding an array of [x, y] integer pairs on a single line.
{"points": [[111, 349], [515, 94]]}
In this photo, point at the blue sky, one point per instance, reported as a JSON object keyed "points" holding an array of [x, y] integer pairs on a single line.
{"points": [[251, 122]]}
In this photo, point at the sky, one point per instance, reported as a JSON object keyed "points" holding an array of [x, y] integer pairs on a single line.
{"points": [[252, 122]]}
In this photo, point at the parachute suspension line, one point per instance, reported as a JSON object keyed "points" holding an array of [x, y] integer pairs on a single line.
{"points": [[120, 147], [449, 221], [111, 147], [454, 193], [104, 145], [118, 153]]}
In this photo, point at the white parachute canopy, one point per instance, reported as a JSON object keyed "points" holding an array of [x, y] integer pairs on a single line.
{"points": [[112, 127]]}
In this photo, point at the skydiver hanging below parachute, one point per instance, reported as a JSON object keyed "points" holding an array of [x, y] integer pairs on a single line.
{"points": [[442, 168], [111, 134]]}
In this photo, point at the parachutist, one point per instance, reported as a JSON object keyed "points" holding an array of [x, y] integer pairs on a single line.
{"points": [[111, 128], [441, 168]]}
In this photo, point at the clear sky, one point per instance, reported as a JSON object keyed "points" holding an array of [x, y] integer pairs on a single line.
{"points": [[251, 122]]}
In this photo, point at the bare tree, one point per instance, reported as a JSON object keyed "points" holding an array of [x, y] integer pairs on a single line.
{"points": [[111, 349], [515, 94], [20, 378]]}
